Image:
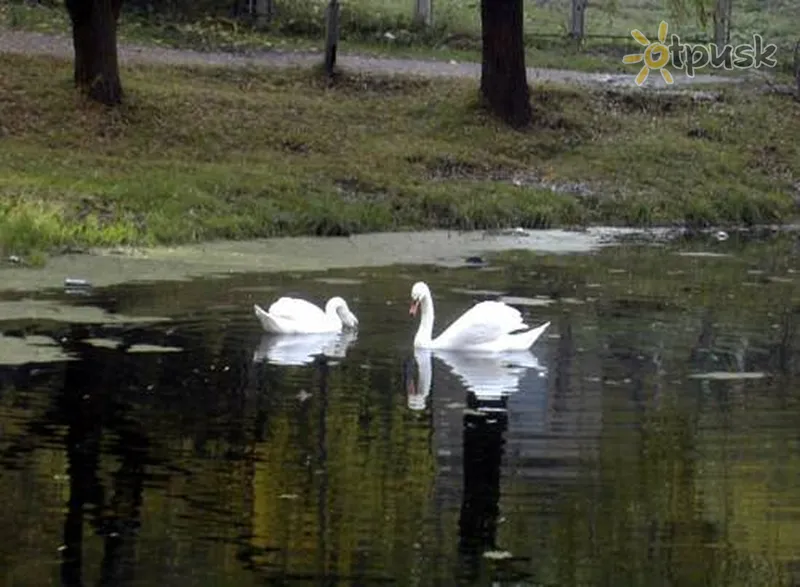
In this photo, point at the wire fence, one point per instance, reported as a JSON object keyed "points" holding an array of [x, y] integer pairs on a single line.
{"points": [[592, 25], [777, 21]]}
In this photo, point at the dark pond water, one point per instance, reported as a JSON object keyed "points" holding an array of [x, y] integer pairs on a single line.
{"points": [[652, 439]]}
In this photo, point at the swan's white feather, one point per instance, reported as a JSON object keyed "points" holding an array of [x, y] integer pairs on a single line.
{"points": [[296, 309], [296, 316], [483, 324], [490, 326]]}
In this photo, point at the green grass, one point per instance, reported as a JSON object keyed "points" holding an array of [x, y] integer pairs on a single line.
{"points": [[298, 25], [207, 153]]}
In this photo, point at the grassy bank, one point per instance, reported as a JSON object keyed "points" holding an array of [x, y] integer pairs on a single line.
{"points": [[385, 27], [208, 153]]}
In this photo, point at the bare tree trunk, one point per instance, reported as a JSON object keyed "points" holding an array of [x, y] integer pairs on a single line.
{"points": [[504, 86], [94, 37]]}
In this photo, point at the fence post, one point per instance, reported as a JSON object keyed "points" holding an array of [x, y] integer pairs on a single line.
{"points": [[331, 35], [577, 25], [264, 11], [423, 12], [722, 23], [797, 68]]}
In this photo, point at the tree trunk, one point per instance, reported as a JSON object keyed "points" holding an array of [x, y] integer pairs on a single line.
{"points": [[331, 35], [504, 86], [94, 36], [423, 12]]}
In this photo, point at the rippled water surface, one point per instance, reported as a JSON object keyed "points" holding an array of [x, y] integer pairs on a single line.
{"points": [[651, 438]]}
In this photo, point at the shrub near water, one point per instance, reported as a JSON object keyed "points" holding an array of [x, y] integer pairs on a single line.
{"points": [[213, 153]]}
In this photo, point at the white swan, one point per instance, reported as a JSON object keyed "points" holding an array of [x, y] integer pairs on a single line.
{"points": [[489, 377], [302, 350], [486, 327], [296, 316]]}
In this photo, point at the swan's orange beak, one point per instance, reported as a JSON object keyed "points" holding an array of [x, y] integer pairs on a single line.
{"points": [[413, 309]]}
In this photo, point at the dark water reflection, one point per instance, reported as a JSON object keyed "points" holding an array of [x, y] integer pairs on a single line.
{"points": [[243, 460]]}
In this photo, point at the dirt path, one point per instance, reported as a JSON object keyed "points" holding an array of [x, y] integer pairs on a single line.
{"points": [[30, 43]]}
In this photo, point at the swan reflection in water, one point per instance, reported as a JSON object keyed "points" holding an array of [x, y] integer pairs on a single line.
{"points": [[470, 443], [489, 377], [295, 349]]}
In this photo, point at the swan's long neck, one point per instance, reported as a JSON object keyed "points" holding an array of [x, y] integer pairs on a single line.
{"points": [[332, 313], [425, 331]]}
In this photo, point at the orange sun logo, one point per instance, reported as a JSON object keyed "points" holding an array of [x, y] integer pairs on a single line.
{"points": [[660, 48]]}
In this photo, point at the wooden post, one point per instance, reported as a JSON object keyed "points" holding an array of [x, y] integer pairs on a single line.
{"points": [[331, 35], [577, 29], [797, 68], [264, 11], [423, 12], [722, 23]]}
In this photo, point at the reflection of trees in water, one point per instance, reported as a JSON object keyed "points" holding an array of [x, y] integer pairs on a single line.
{"points": [[642, 512], [341, 476], [562, 370], [322, 501], [136, 410], [656, 506], [90, 411], [470, 425], [87, 406], [483, 455], [363, 498]]}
